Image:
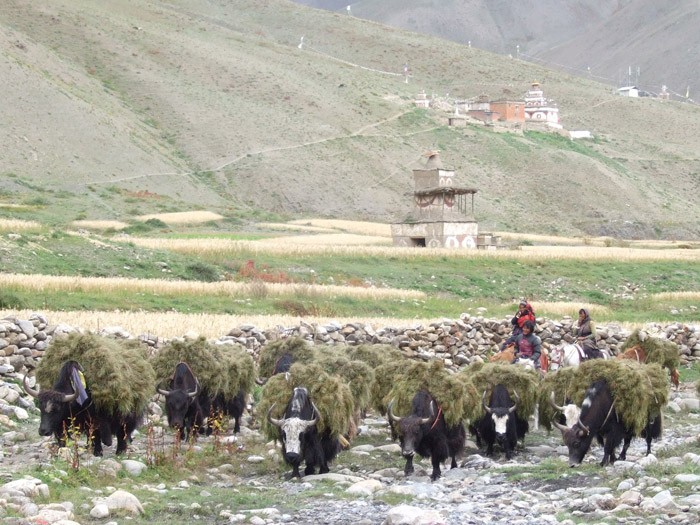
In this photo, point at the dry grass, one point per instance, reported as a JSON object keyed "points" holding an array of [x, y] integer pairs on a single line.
{"points": [[294, 227], [327, 239], [162, 286], [183, 217], [11, 225], [362, 228], [172, 324], [676, 296], [569, 309], [100, 225], [289, 246]]}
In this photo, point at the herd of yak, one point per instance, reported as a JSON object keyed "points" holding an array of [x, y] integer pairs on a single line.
{"points": [[312, 397]]}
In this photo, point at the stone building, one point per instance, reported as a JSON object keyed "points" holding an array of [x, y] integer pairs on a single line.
{"points": [[540, 109], [443, 214]]}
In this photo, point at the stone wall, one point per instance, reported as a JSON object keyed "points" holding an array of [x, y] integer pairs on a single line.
{"points": [[457, 341]]}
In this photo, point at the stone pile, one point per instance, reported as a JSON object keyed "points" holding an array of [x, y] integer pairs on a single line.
{"points": [[458, 342]]}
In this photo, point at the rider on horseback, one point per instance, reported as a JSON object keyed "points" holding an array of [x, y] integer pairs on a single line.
{"points": [[525, 313], [528, 345], [585, 335]]}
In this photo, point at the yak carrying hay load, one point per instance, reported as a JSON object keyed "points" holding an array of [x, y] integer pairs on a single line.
{"points": [[117, 372], [240, 369], [297, 348], [559, 383], [659, 351], [637, 389], [356, 374], [525, 382], [204, 359], [330, 394], [385, 377], [432, 377]]}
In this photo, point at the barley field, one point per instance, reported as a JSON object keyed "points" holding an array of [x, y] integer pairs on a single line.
{"points": [[12, 225], [100, 225], [349, 244], [183, 217]]}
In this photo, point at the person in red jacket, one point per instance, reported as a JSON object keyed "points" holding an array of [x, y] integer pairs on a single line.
{"points": [[525, 313]]}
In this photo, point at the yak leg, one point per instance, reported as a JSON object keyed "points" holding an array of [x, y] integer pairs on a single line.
{"points": [[611, 443], [408, 469], [625, 446], [436, 468]]}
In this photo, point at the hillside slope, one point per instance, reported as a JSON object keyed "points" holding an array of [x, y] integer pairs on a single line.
{"points": [[611, 41], [137, 106]]}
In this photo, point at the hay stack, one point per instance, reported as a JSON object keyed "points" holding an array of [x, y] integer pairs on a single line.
{"points": [[240, 369], [660, 351], [385, 376], [299, 348], [375, 355], [637, 389], [330, 394], [515, 378], [117, 372], [446, 388], [559, 382], [205, 360], [358, 375]]}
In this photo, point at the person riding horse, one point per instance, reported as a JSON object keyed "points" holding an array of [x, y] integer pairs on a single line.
{"points": [[586, 334], [525, 313], [528, 345]]}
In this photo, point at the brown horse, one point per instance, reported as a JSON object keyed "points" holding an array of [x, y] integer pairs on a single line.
{"points": [[507, 355], [638, 354]]}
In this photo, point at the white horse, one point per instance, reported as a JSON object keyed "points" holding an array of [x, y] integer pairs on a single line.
{"points": [[569, 355]]}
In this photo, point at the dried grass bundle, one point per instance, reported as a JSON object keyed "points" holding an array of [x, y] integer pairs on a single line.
{"points": [[300, 350], [204, 359], [638, 389], [330, 394], [433, 377], [560, 383], [517, 379], [660, 351], [117, 372]]}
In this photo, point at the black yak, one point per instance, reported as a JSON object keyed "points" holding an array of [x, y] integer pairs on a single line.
{"points": [[69, 406], [425, 432]]}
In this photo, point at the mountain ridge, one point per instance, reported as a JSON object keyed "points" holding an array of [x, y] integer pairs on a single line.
{"points": [[137, 108]]}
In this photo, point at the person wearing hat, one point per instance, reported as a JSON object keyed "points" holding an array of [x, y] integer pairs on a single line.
{"points": [[525, 313]]}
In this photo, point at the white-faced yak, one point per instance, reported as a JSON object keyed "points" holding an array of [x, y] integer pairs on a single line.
{"points": [[301, 440]]}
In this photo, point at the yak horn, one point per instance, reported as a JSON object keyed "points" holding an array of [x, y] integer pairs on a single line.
{"points": [[425, 420], [584, 427], [272, 420], [515, 404], [551, 402], [561, 427], [29, 390], [69, 398], [483, 403], [317, 416], [390, 413], [194, 394], [162, 392], [260, 381]]}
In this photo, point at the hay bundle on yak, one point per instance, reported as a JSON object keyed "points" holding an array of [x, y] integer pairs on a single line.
{"points": [[358, 375], [375, 355], [309, 411], [279, 355], [522, 383], [637, 389], [426, 412], [100, 385], [619, 399], [644, 348], [217, 379], [555, 397], [117, 372]]}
